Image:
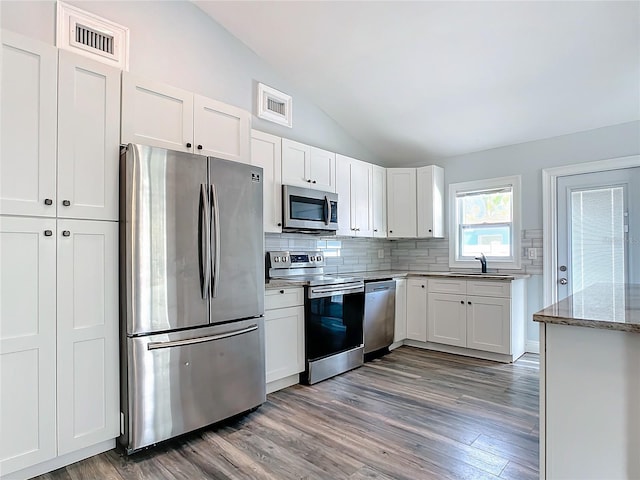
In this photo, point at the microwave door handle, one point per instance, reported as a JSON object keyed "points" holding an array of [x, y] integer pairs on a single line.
{"points": [[327, 203], [215, 224], [205, 249]]}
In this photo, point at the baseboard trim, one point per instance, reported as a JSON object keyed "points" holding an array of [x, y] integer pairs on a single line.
{"points": [[283, 383], [532, 347]]}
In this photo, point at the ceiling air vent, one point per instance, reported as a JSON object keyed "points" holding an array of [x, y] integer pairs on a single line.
{"points": [[275, 106], [87, 34]]}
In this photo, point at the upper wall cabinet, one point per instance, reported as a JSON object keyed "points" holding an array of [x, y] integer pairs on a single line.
{"points": [[28, 117], [415, 202], [379, 201], [401, 202], [306, 166], [266, 152], [88, 121], [164, 116], [74, 99], [430, 207], [354, 182]]}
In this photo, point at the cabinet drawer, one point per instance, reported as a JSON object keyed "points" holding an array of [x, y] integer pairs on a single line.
{"points": [[283, 297], [486, 288], [437, 285]]}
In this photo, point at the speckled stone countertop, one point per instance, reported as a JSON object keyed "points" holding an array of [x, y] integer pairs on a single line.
{"points": [[612, 307], [381, 274]]}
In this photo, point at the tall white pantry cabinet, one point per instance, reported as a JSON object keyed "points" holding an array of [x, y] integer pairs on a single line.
{"points": [[59, 389]]}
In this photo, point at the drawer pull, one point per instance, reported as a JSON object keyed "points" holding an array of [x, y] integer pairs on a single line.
{"points": [[281, 291]]}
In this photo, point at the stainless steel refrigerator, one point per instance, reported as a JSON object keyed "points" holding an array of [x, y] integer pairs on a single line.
{"points": [[192, 292]]}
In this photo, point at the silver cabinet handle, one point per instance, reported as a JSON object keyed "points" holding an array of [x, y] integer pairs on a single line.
{"points": [[215, 224], [192, 341], [205, 249]]}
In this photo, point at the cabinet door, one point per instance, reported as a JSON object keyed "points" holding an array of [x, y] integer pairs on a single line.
{"points": [[401, 202], [322, 170], [27, 342], [361, 198], [88, 131], [448, 319], [400, 332], [417, 309], [379, 201], [87, 367], [295, 163], [221, 130], [284, 342], [28, 134], [343, 189], [430, 194], [489, 324], [266, 152], [156, 114]]}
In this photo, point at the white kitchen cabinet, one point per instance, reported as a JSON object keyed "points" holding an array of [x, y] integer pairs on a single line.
{"points": [[447, 319], [88, 133], [430, 201], [478, 314], [308, 167], [354, 182], [266, 152], [164, 116], [417, 309], [28, 117], [27, 342], [401, 202], [400, 330], [379, 201], [87, 334], [284, 337]]}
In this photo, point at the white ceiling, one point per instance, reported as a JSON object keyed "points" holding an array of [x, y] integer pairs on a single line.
{"points": [[417, 80]]}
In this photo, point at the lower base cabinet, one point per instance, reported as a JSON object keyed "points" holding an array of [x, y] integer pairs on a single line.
{"points": [[417, 309], [59, 389], [284, 336], [400, 329]]}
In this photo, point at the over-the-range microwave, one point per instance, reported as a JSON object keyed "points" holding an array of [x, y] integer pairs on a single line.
{"points": [[306, 210]]}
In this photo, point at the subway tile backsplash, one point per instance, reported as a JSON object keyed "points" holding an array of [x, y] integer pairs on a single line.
{"points": [[344, 254]]}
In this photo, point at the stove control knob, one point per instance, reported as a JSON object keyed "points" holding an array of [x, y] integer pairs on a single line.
{"points": [[319, 258], [312, 258], [276, 259], [285, 259]]}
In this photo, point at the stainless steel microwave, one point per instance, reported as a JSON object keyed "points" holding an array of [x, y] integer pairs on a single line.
{"points": [[309, 211]]}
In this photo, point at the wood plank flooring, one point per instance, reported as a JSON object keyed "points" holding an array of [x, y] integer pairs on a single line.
{"points": [[414, 414]]}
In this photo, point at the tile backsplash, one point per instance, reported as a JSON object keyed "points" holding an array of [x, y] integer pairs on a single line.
{"points": [[344, 254]]}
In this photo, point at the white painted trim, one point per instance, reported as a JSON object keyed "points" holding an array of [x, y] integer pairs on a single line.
{"points": [[283, 383], [395, 345], [62, 461], [549, 212], [532, 346], [513, 181]]}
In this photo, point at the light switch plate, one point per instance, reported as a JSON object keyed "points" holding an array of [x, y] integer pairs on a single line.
{"points": [[381, 253], [532, 254]]}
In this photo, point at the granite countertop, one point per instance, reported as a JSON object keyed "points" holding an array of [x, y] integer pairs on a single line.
{"points": [[608, 306], [275, 283]]}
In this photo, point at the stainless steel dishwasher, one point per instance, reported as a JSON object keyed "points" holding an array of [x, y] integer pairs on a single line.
{"points": [[379, 314]]}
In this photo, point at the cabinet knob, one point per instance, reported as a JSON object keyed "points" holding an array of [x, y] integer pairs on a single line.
{"points": [[48, 233], [48, 201], [281, 291], [375, 229], [462, 302], [390, 231], [279, 224], [199, 147], [66, 203], [429, 230], [188, 144], [313, 181], [309, 180], [66, 233], [422, 286], [469, 303]]}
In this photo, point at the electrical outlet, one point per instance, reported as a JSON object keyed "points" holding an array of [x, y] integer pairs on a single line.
{"points": [[532, 254], [381, 253]]}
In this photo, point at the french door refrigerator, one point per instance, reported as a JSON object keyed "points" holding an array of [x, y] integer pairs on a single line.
{"points": [[192, 292]]}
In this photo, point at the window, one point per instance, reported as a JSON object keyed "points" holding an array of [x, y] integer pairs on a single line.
{"points": [[485, 218]]}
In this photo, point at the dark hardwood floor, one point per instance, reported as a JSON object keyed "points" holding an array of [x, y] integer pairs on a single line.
{"points": [[414, 414]]}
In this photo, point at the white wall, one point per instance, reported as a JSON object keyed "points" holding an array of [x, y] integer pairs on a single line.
{"points": [[176, 43]]}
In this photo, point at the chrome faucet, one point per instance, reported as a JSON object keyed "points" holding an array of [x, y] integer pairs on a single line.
{"points": [[483, 262]]}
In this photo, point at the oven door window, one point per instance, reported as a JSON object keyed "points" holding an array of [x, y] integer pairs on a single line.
{"points": [[334, 324]]}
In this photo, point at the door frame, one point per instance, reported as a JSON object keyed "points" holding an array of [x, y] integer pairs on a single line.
{"points": [[550, 214]]}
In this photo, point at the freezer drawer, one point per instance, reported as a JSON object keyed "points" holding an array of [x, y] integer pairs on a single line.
{"points": [[178, 382]]}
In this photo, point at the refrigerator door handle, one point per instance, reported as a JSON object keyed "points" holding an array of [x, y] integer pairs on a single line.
{"points": [[215, 277], [205, 250], [191, 341]]}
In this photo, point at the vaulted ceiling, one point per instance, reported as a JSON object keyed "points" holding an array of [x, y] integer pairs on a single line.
{"points": [[420, 80]]}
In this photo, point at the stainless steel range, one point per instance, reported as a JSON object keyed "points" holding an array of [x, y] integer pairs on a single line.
{"points": [[334, 312]]}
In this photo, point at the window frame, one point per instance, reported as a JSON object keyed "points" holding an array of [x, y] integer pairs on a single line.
{"points": [[511, 263]]}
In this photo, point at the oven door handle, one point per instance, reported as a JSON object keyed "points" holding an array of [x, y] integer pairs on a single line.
{"points": [[330, 291]]}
